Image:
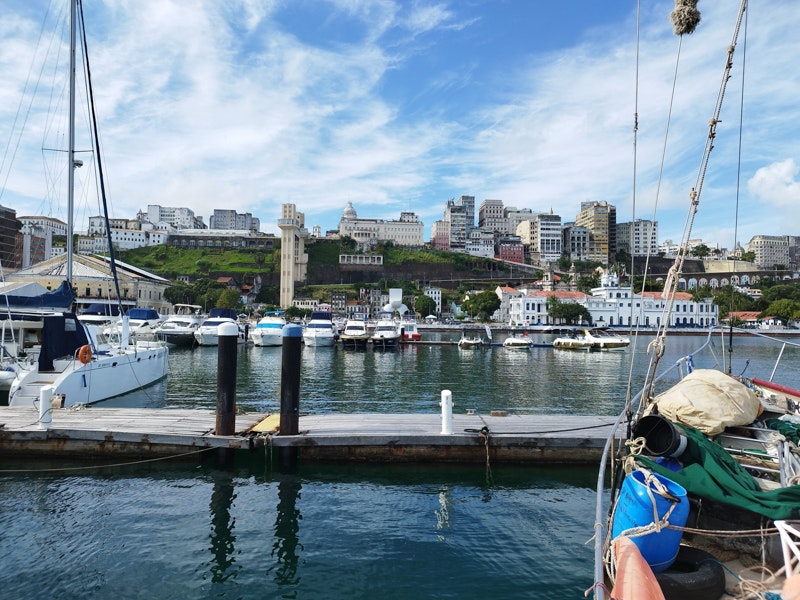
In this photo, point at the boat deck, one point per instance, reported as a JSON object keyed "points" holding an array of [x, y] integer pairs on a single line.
{"points": [[166, 432]]}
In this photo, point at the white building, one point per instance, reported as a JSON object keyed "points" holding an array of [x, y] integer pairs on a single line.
{"points": [[480, 242], [436, 295], [614, 305], [638, 238], [769, 250], [408, 231], [177, 217], [542, 235]]}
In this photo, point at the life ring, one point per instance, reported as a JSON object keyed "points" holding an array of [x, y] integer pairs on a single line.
{"points": [[695, 575], [85, 354]]}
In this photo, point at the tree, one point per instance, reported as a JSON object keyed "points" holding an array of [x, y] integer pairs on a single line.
{"points": [[586, 282], [729, 300], [571, 313], [229, 298], [180, 294], [785, 309], [749, 256], [482, 306], [425, 305], [701, 292], [701, 251], [294, 312]]}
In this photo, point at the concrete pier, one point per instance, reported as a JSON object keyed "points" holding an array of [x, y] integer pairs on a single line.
{"points": [[367, 437]]}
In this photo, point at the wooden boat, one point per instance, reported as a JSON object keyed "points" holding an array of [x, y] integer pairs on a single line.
{"points": [[712, 434]]}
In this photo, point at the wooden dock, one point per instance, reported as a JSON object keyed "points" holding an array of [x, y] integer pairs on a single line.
{"points": [[367, 437]]}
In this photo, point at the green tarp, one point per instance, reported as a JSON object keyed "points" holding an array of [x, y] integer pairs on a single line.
{"points": [[710, 472]]}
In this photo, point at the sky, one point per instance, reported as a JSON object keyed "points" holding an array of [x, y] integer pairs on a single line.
{"points": [[399, 105]]}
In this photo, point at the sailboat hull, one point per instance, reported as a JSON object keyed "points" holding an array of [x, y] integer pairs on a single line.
{"points": [[103, 377]]}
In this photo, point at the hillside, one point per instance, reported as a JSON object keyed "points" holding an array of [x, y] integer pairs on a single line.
{"points": [[443, 269]]}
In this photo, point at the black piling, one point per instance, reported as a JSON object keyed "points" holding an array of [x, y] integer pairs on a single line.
{"points": [[228, 341], [290, 394]]}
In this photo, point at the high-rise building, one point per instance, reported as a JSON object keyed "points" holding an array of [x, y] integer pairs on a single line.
{"points": [[600, 218], [491, 216], [638, 238]]}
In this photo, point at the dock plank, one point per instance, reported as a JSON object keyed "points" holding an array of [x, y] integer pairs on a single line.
{"points": [[361, 436]]}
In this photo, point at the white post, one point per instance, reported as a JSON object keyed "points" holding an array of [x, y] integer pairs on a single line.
{"points": [[45, 407], [447, 412]]}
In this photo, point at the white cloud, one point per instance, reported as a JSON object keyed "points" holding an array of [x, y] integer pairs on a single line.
{"points": [[777, 185]]}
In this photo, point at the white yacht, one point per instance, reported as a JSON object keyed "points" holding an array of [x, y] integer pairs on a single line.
{"points": [[207, 334], [320, 330], [387, 332], [355, 334], [268, 330], [179, 327]]}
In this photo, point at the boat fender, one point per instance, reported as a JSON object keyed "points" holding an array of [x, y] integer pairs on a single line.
{"points": [[695, 575], [85, 354]]}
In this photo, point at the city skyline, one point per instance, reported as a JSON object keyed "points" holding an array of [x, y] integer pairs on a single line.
{"points": [[399, 107]]}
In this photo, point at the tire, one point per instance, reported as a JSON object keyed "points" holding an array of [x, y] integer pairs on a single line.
{"points": [[695, 575]]}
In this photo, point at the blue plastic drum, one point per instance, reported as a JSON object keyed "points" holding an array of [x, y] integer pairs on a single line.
{"points": [[635, 509]]}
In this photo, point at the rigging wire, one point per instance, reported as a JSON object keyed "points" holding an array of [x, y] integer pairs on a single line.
{"points": [[738, 190]]}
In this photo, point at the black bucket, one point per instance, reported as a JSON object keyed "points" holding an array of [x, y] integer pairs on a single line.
{"points": [[661, 437]]}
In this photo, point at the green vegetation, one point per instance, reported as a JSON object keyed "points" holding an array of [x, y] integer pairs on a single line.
{"points": [[425, 305], [481, 306], [170, 262], [570, 313]]}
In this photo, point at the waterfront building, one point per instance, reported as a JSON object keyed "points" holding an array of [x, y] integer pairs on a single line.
{"points": [[530, 307], [407, 231], [505, 294], [613, 305], [436, 295], [93, 282]]}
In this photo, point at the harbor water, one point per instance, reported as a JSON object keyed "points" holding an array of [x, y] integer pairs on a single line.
{"points": [[188, 530]]}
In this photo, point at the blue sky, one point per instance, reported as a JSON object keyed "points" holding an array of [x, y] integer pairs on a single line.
{"points": [[400, 105]]}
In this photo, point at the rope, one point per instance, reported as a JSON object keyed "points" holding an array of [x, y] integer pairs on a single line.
{"points": [[104, 466], [484, 433]]}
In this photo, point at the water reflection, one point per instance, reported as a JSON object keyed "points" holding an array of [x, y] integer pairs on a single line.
{"points": [[222, 525], [286, 543]]}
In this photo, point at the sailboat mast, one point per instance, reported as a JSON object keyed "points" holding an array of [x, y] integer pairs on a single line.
{"points": [[71, 135]]}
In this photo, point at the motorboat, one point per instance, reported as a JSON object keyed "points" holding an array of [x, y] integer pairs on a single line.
{"points": [[410, 332], [179, 327], [387, 333], [603, 339], [355, 334], [268, 330], [594, 340], [517, 341], [319, 330], [468, 342], [207, 334], [100, 313], [143, 323], [572, 341]]}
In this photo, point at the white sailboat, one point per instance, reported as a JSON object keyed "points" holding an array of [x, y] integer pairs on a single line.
{"points": [[76, 361]]}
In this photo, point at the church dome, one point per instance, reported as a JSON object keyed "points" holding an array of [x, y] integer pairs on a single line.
{"points": [[349, 213]]}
